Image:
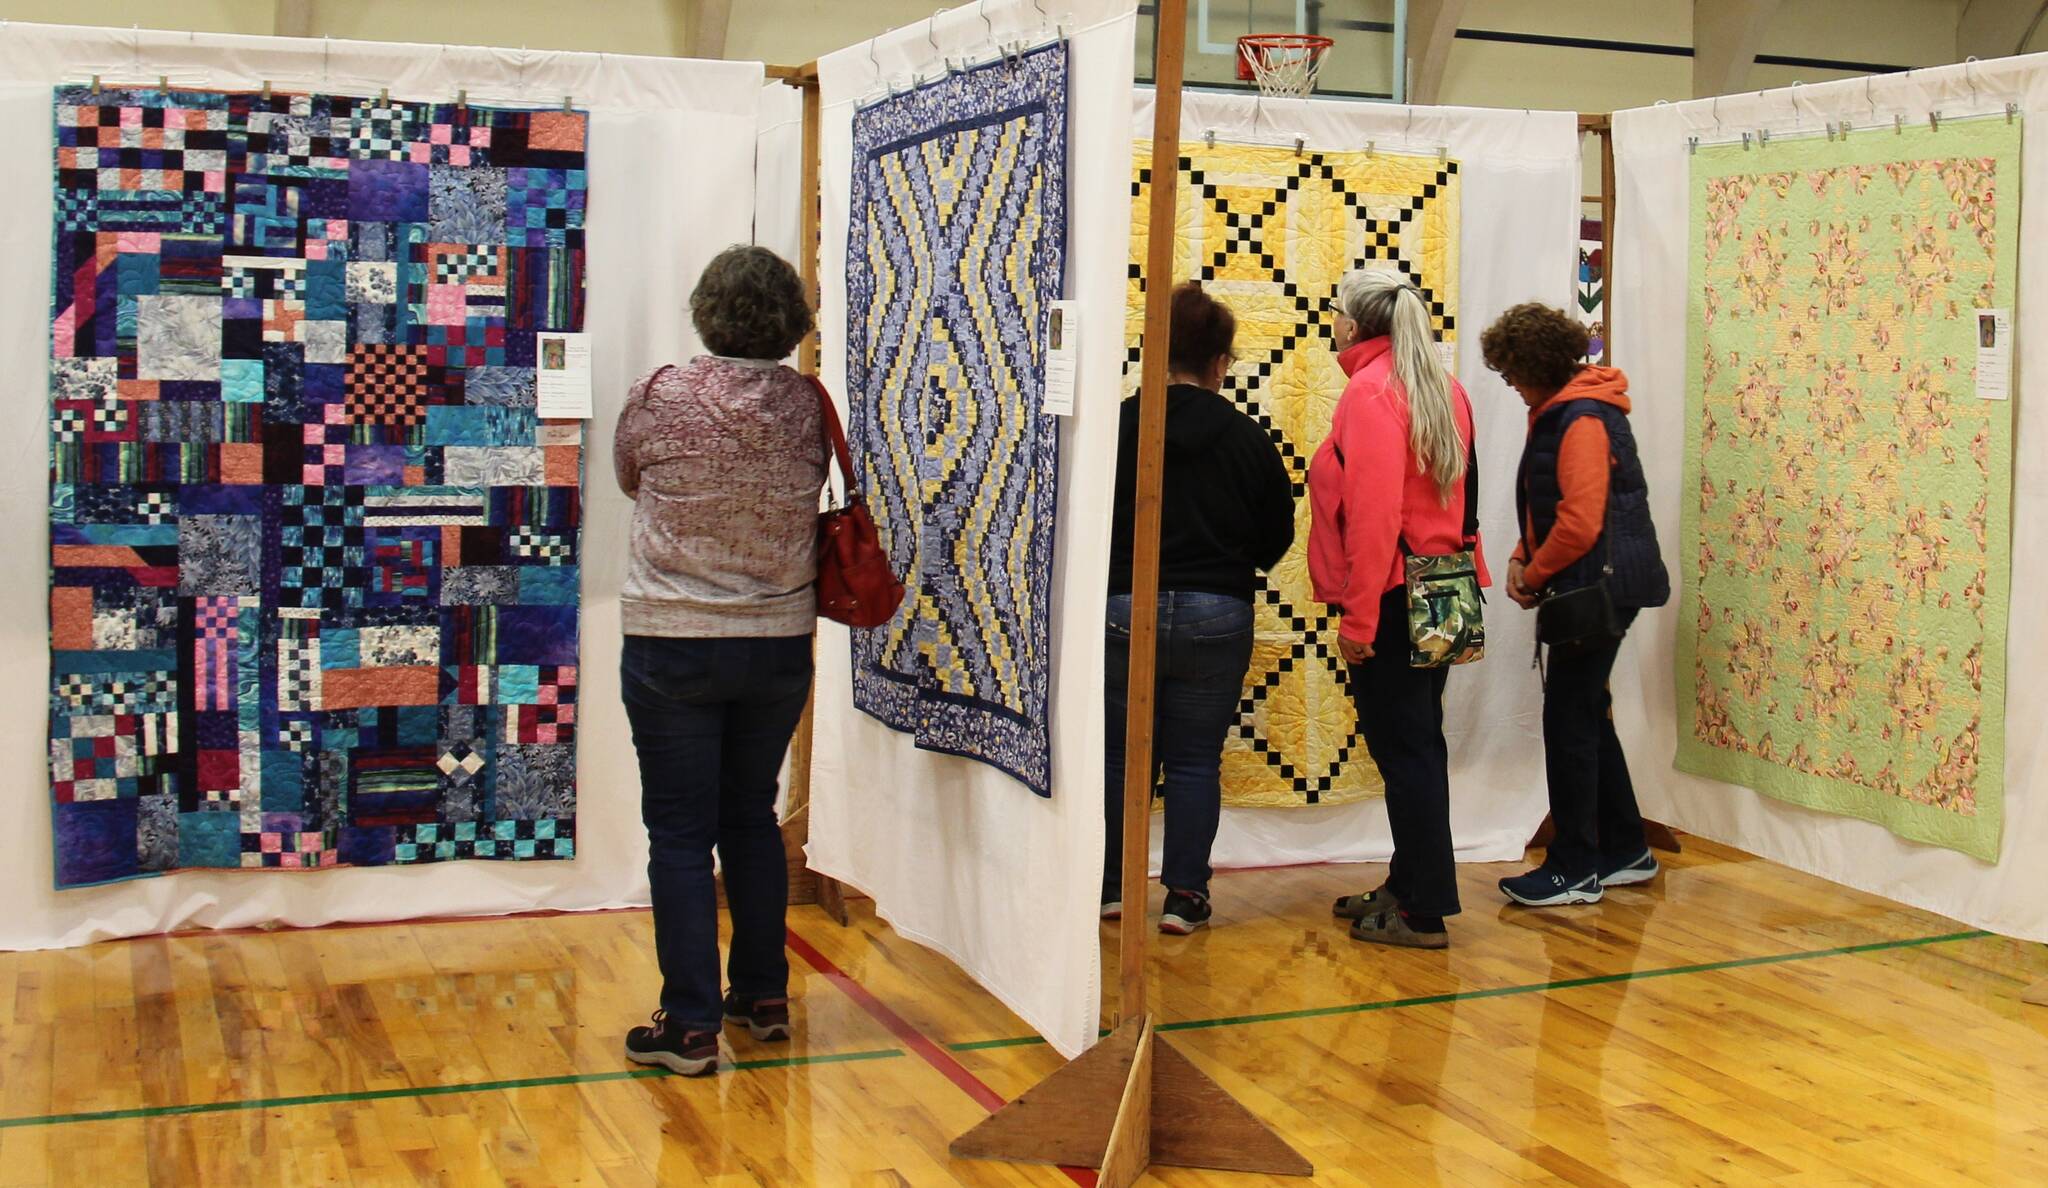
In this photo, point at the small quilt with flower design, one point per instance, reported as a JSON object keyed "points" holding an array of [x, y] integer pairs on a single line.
{"points": [[1846, 535]]}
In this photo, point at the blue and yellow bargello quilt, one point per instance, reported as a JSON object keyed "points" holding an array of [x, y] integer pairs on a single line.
{"points": [[957, 244], [313, 555]]}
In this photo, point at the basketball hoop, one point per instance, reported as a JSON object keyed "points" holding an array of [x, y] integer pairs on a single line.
{"points": [[1284, 65]]}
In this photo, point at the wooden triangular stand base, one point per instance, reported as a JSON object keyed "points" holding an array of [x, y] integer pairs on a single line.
{"points": [[2035, 995], [1129, 1102]]}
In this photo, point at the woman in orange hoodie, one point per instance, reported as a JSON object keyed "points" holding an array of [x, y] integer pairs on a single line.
{"points": [[1584, 509], [1390, 480]]}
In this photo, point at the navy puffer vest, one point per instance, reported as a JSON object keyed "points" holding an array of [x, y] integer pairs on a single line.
{"points": [[1629, 543]]}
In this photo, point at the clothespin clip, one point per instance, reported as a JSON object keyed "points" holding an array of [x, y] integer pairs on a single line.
{"points": [[1763, 138], [1745, 141], [1692, 146], [1831, 131], [163, 82], [95, 86], [1209, 138], [1443, 153], [1369, 146], [1300, 143], [1845, 129], [568, 105], [384, 97], [462, 100], [266, 90], [2011, 110], [1898, 125], [1934, 121]]}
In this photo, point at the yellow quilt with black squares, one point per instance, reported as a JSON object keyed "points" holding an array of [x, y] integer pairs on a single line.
{"points": [[1269, 232]]}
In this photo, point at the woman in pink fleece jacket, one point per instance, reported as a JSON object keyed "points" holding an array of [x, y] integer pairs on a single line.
{"points": [[1390, 481]]}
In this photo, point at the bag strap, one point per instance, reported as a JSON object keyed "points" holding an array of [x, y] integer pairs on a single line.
{"points": [[837, 434], [1471, 536]]}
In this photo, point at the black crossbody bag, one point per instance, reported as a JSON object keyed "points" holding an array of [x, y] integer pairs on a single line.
{"points": [[1578, 621]]}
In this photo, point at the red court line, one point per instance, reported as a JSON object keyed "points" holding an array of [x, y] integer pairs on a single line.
{"points": [[931, 1053]]}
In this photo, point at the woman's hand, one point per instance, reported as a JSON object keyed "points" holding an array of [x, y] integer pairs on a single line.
{"points": [[1353, 651], [1520, 594]]}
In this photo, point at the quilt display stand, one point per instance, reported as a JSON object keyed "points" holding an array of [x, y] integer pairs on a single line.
{"points": [[1133, 1100], [1659, 835], [806, 885]]}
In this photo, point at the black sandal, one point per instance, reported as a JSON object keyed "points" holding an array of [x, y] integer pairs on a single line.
{"points": [[1358, 907]]}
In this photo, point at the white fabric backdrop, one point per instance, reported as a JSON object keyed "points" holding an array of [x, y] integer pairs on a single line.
{"points": [[1518, 242], [1647, 311], [671, 164], [779, 172], [958, 856]]}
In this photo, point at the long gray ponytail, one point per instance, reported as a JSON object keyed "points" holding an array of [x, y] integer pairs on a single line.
{"points": [[1382, 302]]}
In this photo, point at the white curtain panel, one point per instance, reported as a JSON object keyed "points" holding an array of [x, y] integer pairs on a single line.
{"points": [[671, 183], [1647, 312], [779, 172], [958, 856], [1518, 242]]}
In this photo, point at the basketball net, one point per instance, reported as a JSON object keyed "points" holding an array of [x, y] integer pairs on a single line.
{"points": [[1282, 65]]}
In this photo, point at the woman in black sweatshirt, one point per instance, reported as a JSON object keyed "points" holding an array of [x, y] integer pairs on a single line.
{"points": [[1227, 512]]}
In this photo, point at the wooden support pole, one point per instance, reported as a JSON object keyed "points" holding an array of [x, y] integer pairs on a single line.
{"points": [[806, 886], [1166, 74], [1606, 134], [1098, 1109]]}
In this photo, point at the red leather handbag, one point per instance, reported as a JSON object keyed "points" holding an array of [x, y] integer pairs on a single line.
{"points": [[855, 586]]}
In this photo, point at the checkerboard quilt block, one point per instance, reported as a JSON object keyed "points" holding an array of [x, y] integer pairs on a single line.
{"points": [[1847, 534], [1269, 232], [956, 246], [313, 594]]}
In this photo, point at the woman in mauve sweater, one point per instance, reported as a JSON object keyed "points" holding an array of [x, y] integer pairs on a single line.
{"points": [[723, 457], [1389, 481]]}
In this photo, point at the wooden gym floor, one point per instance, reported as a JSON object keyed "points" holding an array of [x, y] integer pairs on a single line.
{"points": [[1735, 1023]]}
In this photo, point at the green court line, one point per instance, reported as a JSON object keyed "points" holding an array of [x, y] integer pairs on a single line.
{"points": [[1356, 1008], [271, 1103]]}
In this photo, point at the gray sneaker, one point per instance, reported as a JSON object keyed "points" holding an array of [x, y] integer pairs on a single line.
{"points": [[1642, 870], [1389, 927]]}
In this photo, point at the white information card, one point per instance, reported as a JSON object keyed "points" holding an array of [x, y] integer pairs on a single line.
{"points": [[1994, 354], [562, 381], [1062, 357]]}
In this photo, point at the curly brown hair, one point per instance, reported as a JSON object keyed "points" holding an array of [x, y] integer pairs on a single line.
{"points": [[1536, 346], [750, 304]]}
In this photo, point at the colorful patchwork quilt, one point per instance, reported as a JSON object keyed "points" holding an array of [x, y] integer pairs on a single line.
{"points": [[1269, 232], [957, 243], [313, 557], [1847, 534]]}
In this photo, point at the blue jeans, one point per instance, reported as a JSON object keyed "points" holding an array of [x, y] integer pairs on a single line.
{"points": [[711, 721], [1204, 648]]}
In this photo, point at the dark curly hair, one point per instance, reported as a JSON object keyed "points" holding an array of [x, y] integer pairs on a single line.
{"points": [[750, 304], [1536, 346], [1203, 328]]}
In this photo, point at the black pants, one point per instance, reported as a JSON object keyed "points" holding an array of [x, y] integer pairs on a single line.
{"points": [[711, 722], [1401, 715], [1592, 801]]}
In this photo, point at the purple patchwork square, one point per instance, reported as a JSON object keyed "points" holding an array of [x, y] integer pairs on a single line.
{"points": [[374, 466], [387, 191]]}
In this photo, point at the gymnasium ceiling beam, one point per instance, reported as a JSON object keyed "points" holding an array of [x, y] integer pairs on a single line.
{"points": [[1432, 26], [1996, 28], [1726, 35], [707, 35]]}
